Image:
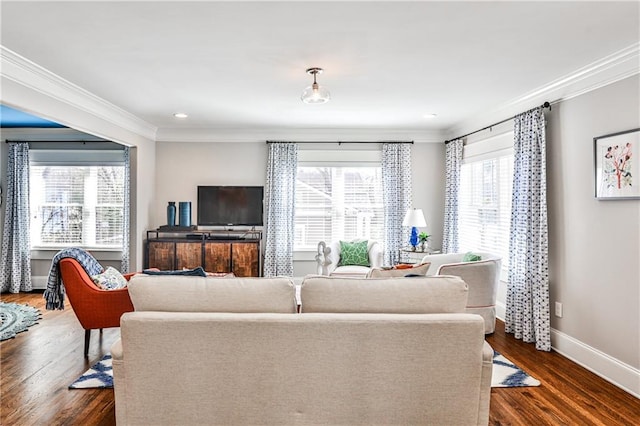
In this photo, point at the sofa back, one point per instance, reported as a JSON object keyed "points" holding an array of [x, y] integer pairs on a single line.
{"points": [[408, 295], [211, 294]]}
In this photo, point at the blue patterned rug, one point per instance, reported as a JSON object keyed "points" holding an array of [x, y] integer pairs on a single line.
{"points": [[16, 318], [100, 375], [505, 375]]}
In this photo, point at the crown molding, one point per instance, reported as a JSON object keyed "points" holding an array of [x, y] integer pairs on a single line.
{"points": [[295, 134], [610, 69], [21, 71]]}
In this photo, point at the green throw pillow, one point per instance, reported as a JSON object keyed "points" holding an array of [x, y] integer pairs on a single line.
{"points": [[354, 253], [471, 257]]}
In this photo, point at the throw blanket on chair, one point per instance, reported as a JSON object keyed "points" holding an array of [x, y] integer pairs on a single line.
{"points": [[54, 294]]}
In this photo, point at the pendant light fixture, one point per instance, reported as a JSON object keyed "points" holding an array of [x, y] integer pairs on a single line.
{"points": [[315, 94]]}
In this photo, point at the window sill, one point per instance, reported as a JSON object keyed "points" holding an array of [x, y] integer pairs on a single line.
{"points": [[46, 253]]}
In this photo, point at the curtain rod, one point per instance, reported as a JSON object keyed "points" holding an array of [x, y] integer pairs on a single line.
{"points": [[50, 141], [343, 142], [544, 105]]}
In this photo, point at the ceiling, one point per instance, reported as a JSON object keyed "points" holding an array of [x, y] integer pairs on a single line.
{"points": [[241, 65]]}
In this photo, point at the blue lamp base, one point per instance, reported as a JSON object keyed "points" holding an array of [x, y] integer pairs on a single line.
{"points": [[413, 240]]}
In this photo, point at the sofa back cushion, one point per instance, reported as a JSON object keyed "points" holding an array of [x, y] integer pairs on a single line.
{"points": [[210, 294], [415, 295]]}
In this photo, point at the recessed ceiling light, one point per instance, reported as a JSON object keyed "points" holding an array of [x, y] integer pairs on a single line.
{"points": [[180, 115], [430, 115]]}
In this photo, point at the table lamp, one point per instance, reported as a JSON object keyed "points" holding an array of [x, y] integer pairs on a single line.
{"points": [[414, 218]]}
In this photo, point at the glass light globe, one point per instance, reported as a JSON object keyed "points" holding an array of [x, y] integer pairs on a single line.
{"points": [[315, 94]]}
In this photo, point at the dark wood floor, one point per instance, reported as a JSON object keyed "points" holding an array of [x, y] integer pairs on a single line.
{"points": [[37, 366]]}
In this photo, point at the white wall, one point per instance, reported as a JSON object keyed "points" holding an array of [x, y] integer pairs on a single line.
{"points": [[594, 252], [182, 166]]}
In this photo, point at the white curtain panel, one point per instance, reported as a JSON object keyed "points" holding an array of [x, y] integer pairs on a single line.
{"points": [[397, 198], [15, 260], [453, 162], [280, 195], [527, 305], [126, 211]]}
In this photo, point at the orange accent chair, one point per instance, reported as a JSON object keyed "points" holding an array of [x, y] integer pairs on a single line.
{"points": [[94, 307]]}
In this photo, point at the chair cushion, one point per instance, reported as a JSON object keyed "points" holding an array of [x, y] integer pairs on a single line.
{"points": [[398, 271], [110, 279], [354, 253]]}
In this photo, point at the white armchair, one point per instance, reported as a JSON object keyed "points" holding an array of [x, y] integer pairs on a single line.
{"points": [[482, 277], [328, 259]]}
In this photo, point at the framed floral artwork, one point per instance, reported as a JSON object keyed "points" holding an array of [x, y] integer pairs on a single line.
{"points": [[617, 172]]}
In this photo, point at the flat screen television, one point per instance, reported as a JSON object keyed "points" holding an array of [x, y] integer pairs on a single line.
{"points": [[230, 205]]}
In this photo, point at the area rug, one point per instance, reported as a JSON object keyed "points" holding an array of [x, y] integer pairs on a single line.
{"points": [[16, 318], [100, 375], [505, 375]]}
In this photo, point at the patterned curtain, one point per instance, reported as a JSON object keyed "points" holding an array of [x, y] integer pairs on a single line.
{"points": [[15, 260], [280, 195], [453, 161], [397, 198], [126, 211], [527, 310]]}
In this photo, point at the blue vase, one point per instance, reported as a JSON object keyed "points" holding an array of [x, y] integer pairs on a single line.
{"points": [[171, 213], [184, 217]]}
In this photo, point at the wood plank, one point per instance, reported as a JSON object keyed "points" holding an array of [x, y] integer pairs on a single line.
{"points": [[38, 365]]}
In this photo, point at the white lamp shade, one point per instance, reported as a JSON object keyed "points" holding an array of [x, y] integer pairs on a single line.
{"points": [[414, 217]]}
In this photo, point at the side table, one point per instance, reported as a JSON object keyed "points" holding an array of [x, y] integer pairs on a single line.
{"points": [[416, 256]]}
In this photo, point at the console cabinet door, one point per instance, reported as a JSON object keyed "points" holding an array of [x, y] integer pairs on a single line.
{"points": [[188, 255], [161, 255], [246, 259], [217, 257]]}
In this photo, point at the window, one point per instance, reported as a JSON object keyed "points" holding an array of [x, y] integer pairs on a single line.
{"points": [[76, 204], [337, 202], [484, 200]]}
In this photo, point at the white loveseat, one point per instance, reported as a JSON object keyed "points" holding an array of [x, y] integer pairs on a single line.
{"points": [[363, 351], [482, 277]]}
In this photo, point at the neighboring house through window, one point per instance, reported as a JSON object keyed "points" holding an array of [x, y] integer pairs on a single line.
{"points": [[77, 198], [338, 197]]}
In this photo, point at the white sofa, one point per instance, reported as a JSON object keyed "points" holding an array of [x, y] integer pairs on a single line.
{"points": [[221, 351], [328, 258], [481, 276]]}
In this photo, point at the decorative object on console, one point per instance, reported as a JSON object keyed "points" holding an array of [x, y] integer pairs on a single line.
{"points": [[615, 167], [185, 213], [414, 218], [315, 94], [171, 213]]}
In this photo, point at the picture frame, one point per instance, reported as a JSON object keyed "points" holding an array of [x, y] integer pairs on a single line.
{"points": [[616, 165]]}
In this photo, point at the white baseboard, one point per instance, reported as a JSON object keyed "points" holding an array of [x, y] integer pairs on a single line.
{"points": [[39, 282], [609, 368]]}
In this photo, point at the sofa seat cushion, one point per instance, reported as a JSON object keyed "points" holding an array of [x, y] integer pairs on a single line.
{"points": [[415, 295], [212, 294]]}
